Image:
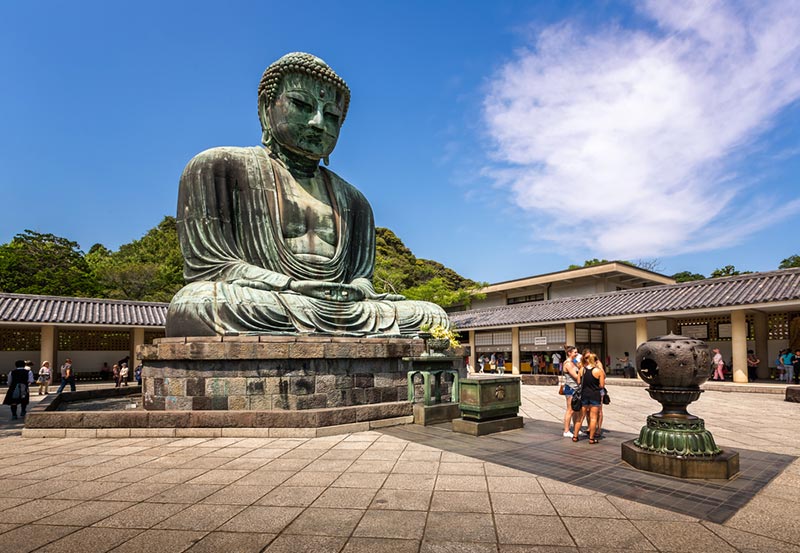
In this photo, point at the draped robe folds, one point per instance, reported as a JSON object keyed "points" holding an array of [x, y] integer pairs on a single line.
{"points": [[229, 227]]}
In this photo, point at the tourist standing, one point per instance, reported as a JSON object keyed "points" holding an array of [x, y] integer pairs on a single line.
{"points": [[493, 363], [115, 372], [719, 365], [18, 393], [501, 364], [752, 365], [481, 362], [137, 372], [570, 385], [788, 366], [557, 362], [45, 378], [796, 364], [592, 380], [123, 374], [627, 368], [67, 376]]}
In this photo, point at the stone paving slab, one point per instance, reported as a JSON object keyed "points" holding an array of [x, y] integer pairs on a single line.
{"points": [[378, 492]]}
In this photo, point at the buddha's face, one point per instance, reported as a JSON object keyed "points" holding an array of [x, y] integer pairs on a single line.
{"points": [[306, 116]]}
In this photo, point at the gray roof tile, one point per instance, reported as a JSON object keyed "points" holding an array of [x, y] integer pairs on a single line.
{"points": [[24, 308]]}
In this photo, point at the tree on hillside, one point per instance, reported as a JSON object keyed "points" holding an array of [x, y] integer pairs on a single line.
{"points": [[148, 269], [789, 262], [398, 271], [588, 263], [727, 270], [46, 264], [686, 276]]}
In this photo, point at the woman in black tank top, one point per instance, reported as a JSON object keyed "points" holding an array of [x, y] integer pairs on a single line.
{"points": [[592, 380]]}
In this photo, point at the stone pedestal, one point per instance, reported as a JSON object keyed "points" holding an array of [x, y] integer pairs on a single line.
{"points": [[793, 393], [262, 373], [724, 465], [426, 415], [481, 428]]}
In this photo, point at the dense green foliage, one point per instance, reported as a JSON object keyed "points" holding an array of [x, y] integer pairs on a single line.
{"points": [[35, 263], [398, 271], [686, 276], [148, 269], [590, 263], [789, 262], [727, 270]]}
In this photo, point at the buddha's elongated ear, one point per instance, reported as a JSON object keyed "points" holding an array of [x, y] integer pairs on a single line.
{"points": [[263, 116]]}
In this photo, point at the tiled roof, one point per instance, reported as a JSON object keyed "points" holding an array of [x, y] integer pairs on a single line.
{"points": [[750, 289], [24, 308]]}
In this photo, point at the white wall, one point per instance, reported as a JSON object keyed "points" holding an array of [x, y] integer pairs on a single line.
{"points": [[620, 337], [90, 361], [7, 359], [494, 300], [656, 328]]}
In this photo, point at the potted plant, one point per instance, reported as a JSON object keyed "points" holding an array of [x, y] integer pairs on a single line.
{"points": [[438, 339]]}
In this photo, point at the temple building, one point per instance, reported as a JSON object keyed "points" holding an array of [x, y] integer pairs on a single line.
{"points": [[613, 307]]}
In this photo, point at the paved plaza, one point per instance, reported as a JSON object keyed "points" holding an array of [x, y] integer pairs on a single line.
{"points": [[408, 489]]}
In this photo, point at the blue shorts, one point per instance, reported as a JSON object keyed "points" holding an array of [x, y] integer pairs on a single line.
{"points": [[568, 391], [590, 402]]}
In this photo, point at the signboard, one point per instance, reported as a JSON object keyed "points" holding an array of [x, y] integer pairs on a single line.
{"points": [[724, 330], [540, 341], [699, 332]]}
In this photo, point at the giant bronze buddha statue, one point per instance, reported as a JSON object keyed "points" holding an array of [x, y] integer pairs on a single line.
{"points": [[276, 244]]}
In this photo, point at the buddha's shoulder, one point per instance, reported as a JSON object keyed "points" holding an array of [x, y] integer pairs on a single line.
{"points": [[224, 155], [342, 184]]}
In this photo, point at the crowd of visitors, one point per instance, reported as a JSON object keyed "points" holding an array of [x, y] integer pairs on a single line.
{"points": [[496, 363]]}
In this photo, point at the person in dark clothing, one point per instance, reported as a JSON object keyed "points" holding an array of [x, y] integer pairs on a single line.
{"points": [[592, 379], [18, 393]]}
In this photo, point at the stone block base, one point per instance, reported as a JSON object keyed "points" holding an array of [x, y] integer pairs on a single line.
{"points": [[310, 418], [435, 414], [722, 466], [210, 432], [793, 393], [481, 428], [260, 373]]}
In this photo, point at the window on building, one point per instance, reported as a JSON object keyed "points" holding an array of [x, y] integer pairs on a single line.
{"points": [[525, 299]]}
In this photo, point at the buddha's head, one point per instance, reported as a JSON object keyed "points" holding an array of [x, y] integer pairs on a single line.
{"points": [[302, 104]]}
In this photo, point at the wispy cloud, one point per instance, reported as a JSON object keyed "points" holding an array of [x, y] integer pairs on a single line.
{"points": [[642, 128]]}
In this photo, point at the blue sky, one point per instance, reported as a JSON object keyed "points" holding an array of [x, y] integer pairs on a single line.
{"points": [[503, 139]]}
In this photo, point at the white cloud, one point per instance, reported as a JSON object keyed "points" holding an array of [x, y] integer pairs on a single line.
{"points": [[640, 129]]}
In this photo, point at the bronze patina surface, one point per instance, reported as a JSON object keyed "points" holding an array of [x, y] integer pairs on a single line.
{"points": [[273, 242], [674, 441]]}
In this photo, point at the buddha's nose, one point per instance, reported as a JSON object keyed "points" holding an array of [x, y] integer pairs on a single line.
{"points": [[316, 121]]}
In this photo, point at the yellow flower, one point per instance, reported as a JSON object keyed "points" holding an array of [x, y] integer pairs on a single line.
{"points": [[439, 332]]}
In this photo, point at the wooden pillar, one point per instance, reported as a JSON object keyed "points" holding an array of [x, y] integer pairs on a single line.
{"points": [[739, 346], [761, 331], [515, 350], [473, 357], [641, 338], [570, 331], [48, 347], [137, 339], [641, 331]]}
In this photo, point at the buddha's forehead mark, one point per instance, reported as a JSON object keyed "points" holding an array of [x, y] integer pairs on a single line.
{"points": [[317, 88]]}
